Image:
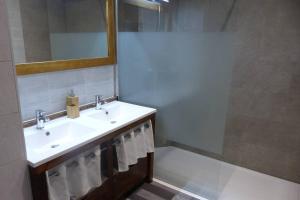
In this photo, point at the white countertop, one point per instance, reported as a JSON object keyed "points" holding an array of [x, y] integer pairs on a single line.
{"points": [[68, 134]]}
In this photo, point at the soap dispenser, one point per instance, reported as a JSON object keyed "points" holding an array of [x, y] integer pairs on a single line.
{"points": [[72, 105]]}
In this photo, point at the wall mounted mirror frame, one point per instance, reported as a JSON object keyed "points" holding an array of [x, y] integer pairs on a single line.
{"points": [[61, 65]]}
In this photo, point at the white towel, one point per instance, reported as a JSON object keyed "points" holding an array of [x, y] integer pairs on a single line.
{"points": [[130, 148], [140, 141], [77, 178], [57, 184], [92, 162], [121, 154], [126, 151], [148, 132]]}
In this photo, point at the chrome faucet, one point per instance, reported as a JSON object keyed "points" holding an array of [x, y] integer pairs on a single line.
{"points": [[99, 102], [41, 118]]}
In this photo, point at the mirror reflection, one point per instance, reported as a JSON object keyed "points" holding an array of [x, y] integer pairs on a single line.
{"points": [[61, 30]]}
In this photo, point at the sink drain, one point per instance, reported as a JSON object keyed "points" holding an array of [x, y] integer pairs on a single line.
{"points": [[54, 146], [113, 122]]}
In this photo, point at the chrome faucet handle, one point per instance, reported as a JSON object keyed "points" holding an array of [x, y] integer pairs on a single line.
{"points": [[99, 101], [41, 118], [40, 113], [46, 119]]}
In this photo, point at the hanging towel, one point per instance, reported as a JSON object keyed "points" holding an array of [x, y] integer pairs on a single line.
{"points": [[57, 184], [149, 140], [130, 148], [140, 141], [92, 162], [121, 154], [77, 178]]}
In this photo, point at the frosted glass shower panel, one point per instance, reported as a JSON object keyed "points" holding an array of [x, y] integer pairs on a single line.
{"points": [[187, 76]]}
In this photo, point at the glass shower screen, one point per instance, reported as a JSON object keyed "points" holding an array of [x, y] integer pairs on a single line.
{"points": [[177, 56]]}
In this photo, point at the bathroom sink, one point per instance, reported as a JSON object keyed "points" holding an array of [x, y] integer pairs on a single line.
{"points": [[63, 134], [109, 113], [55, 137], [118, 113]]}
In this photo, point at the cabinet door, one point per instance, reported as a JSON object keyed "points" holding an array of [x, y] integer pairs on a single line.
{"points": [[125, 182], [105, 192]]}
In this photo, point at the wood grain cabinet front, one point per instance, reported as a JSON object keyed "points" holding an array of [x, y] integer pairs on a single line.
{"points": [[105, 192], [126, 182]]}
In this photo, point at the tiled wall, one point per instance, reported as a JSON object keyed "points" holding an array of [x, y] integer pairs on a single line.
{"points": [[263, 123], [48, 91], [14, 182]]}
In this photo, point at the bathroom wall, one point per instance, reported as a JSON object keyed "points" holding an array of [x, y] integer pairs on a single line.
{"points": [[48, 91], [14, 182], [263, 121]]}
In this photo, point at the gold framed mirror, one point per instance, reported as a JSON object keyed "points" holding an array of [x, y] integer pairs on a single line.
{"points": [[64, 46]]}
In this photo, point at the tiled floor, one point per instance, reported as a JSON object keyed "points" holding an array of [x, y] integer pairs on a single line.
{"points": [[216, 180], [156, 191]]}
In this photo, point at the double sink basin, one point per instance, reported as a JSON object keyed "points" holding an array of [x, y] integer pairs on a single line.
{"points": [[63, 135]]}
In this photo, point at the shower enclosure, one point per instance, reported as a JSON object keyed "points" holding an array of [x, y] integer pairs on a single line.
{"points": [[178, 58], [192, 60]]}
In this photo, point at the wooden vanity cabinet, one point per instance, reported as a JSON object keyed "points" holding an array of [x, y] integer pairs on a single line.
{"points": [[117, 185], [105, 192], [126, 182]]}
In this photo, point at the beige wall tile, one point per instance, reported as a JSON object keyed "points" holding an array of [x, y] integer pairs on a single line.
{"points": [[11, 139], [14, 180], [8, 100], [5, 51], [14, 184]]}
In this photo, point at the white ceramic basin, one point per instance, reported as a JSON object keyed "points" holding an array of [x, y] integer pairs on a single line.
{"points": [[114, 113], [117, 113], [63, 135], [57, 136], [110, 113]]}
